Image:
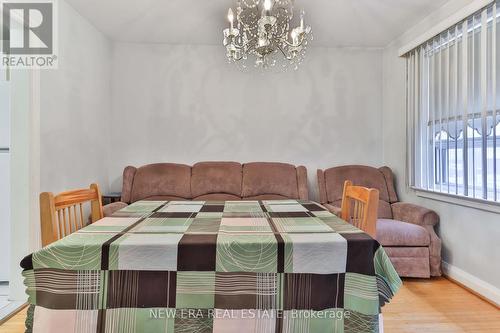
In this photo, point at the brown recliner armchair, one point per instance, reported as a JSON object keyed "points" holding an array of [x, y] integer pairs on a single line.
{"points": [[406, 231]]}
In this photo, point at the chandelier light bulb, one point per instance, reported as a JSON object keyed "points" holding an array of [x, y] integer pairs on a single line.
{"points": [[294, 37], [230, 17], [268, 5]]}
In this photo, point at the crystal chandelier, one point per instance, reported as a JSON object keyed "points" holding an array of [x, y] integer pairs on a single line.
{"points": [[262, 29]]}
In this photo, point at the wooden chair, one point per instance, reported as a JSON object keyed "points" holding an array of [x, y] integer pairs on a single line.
{"points": [[63, 214], [359, 207]]}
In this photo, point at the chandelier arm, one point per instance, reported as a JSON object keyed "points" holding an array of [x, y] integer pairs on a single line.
{"points": [[251, 40], [285, 30], [251, 48], [281, 36], [293, 45], [239, 47], [284, 54], [238, 59], [243, 45]]}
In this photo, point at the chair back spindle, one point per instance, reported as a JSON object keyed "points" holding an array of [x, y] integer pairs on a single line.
{"points": [[63, 214], [359, 207]]}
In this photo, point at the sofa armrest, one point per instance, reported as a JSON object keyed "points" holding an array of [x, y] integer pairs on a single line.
{"points": [[323, 199], [411, 213], [110, 209], [303, 189], [128, 180], [333, 209]]}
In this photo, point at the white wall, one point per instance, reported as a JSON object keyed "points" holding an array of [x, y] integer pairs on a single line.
{"points": [[60, 135], [75, 104], [186, 104], [4, 215], [470, 236], [4, 177], [24, 180]]}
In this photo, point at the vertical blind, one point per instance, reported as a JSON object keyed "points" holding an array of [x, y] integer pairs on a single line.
{"points": [[453, 130]]}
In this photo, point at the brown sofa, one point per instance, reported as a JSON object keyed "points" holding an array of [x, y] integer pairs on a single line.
{"points": [[406, 231], [212, 181]]}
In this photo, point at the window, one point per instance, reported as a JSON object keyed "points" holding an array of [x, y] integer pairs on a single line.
{"points": [[453, 109]]}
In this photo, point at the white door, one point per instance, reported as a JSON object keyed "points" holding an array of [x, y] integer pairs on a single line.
{"points": [[4, 177]]}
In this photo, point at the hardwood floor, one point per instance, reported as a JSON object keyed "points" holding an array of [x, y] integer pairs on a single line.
{"points": [[15, 324], [439, 305], [429, 306]]}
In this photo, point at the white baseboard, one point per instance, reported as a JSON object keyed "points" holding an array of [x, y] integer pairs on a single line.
{"points": [[479, 286], [10, 308]]}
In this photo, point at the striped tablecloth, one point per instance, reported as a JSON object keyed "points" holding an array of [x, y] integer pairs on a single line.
{"points": [[234, 266]]}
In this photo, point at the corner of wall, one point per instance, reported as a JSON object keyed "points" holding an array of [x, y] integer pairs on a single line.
{"points": [[455, 228]]}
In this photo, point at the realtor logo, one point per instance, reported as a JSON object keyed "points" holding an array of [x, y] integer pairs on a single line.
{"points": [[28, 34]]}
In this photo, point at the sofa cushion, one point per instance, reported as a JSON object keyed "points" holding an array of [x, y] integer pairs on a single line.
{"points": [[163, 179], [217, 197], [164, 198], [336, 210], [112, 208], [360, 176], [397, 233], [267, 197], [269, 179], [216, 178]]}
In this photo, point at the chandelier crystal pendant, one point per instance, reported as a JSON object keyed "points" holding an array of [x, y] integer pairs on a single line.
{"points": [[262, 30]]}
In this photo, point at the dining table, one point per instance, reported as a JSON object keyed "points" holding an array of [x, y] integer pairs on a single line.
{"points": [[211, 266]]}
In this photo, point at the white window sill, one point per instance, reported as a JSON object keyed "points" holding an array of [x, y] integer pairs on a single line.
{"points": [[483, 205]]}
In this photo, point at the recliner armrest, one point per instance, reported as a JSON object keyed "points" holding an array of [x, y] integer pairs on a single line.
{"points": [[415, 214], [333, 209], [111, 208]]}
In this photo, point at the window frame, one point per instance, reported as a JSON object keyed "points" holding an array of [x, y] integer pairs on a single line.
{"points": [[427, 150]]}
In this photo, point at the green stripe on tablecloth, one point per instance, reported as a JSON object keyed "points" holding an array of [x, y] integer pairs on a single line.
{"points": [[78, 251], [288, 253], [142, 207], [103, 294], [195, 290], [385, 270], [30, 314], [247, 253], [30, 283], [361, 294]]}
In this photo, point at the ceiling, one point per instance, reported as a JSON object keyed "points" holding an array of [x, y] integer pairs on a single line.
{"points": [[335, 23]]}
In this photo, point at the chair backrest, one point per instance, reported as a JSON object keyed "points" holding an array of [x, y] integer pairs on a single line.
{"points": [[63, 214], [359, 207]]}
